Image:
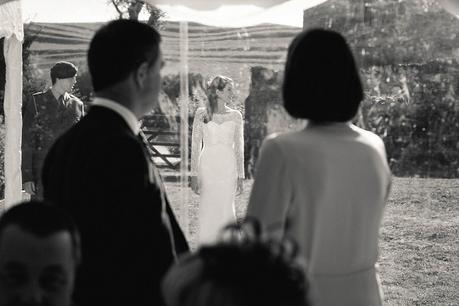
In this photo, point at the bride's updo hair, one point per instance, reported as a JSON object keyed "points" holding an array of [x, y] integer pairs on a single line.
{"points": [[245, 268], [218, 83]]}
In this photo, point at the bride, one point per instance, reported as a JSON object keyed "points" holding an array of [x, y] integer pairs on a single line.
{"points": [[217, 159]]}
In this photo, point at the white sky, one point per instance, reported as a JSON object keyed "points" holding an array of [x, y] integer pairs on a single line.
{"points": [[288, 13]]}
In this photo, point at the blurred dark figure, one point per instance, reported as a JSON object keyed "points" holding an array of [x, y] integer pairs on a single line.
{"points": [[327, 185], [243, 269], [46, 117], [102, 172], [39, 254]]}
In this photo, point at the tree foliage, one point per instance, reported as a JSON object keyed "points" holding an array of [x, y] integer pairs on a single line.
{"points": [[132, 9], [415, 110]]}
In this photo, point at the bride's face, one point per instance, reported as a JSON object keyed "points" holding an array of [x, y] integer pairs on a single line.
{"points": [[226, 95]]}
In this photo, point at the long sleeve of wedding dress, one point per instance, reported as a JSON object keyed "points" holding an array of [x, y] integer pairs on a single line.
{"points": [[239, 144], [196, 139]]}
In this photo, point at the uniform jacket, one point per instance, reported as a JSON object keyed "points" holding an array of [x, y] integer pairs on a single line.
{"points": [[44, 120]]}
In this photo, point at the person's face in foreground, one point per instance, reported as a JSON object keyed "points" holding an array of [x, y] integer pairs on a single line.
{"points": [[35, 271]]}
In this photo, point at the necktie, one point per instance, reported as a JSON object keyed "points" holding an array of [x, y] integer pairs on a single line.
{"points": [[141, 136], [146, 146], [60, 101]]}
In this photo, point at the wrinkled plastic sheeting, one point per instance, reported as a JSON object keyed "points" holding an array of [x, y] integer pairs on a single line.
{"points": [[237, 13], [11, 28]]}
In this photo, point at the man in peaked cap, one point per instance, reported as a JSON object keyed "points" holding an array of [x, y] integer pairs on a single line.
{"points": [[47, 116]]}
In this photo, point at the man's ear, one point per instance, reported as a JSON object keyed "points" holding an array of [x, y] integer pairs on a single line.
{"points": [[141, 74]]}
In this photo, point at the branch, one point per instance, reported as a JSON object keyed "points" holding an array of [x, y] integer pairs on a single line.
{"points": [[156, 15], [120, 13], [134, 9]]}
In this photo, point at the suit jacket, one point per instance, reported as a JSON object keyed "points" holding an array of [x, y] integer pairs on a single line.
{"points": [[44, 120], [101, 174]]}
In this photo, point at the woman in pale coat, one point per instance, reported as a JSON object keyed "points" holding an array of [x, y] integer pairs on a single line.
{"points": [[325, 186]]}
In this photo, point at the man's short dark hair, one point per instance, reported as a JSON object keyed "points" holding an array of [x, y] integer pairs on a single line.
{"points": [[244, 269], [118, 49], [42, 219], [321, 80], [63, 70]]}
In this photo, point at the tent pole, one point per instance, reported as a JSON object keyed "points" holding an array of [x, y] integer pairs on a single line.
{"points": [[184, 171]]}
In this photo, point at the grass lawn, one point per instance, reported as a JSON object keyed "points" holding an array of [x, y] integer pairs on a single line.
{"points": [[419, 245]]}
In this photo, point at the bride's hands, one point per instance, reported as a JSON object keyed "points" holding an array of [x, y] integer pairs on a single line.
{"points": [[195, 184], [239, 186]]}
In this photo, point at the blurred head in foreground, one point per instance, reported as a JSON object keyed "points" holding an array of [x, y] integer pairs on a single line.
{"points": [[243, 269], [39, 254]]}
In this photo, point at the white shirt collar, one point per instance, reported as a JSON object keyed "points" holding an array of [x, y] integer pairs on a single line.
{"points": [[123, 111]]}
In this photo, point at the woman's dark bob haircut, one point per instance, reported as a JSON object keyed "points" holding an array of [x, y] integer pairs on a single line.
{"points": [[321, 81]]}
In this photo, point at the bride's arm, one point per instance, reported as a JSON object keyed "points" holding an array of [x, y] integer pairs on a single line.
{"points": [[196, 140]]}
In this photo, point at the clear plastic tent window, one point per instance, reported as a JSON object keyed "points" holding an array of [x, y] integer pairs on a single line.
{"points": [[236, 39], [233, 39]]}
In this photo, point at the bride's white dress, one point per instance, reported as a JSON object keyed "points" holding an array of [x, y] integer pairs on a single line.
{"points": [[217, 160]]}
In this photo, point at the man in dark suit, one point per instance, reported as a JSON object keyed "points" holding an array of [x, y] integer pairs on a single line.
{"points": [[46, 117], [102, 173]]}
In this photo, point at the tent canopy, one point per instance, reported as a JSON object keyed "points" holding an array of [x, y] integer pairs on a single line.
{"points": [[211, 5], [11, 19], [237, 13]]}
